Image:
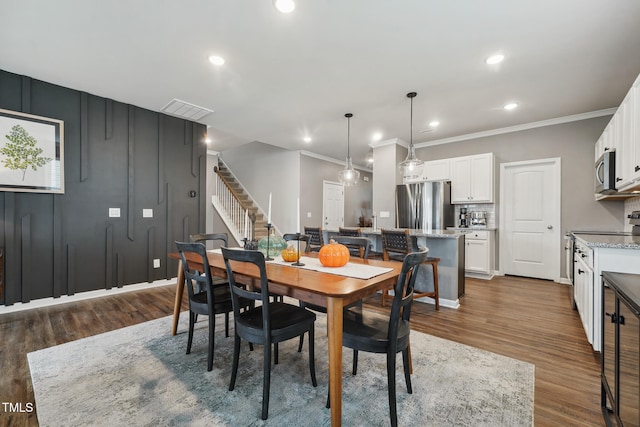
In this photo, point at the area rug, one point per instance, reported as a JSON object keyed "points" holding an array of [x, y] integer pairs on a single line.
{"points": [[141, 376]]}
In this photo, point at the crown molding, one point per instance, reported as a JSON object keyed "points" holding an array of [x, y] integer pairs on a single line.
{"points": [[518, 128], [332, 160], [392, 141]]}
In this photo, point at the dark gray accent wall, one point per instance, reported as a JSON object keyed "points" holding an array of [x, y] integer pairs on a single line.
{"points": [[115, 156]]}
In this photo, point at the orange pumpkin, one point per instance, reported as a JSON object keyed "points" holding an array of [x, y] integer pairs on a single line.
{"points": [[290, 254], [333, 254]]}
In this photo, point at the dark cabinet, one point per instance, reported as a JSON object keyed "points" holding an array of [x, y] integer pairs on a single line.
{"points": [[621, 349]]}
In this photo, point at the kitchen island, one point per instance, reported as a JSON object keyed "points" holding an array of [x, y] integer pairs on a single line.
{"points": [[593, 254], [448, 245]]}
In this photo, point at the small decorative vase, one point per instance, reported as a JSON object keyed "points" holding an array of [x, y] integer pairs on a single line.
{"points": [[276, 245]]}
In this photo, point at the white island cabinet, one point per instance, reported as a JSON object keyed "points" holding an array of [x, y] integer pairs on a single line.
{"points": [[595, 254]]}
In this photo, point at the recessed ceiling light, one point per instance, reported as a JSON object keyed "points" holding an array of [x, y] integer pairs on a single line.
{"points": [[511, 106], [494, 59], [307, 139], [376, 136], [434, 124], [216, 60], [284, 6]]}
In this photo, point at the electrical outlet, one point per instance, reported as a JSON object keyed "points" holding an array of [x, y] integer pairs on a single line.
{"points": [[156, 263], [147, 213], [114, 212], [384, 214]]}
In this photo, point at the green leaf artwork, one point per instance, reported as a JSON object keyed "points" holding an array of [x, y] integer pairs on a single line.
{"points": [[21, 151]]}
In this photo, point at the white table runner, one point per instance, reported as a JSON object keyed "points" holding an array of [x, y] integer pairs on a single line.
{"points": [[358, 271]]}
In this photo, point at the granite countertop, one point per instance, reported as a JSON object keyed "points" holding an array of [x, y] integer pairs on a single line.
{"points": [[436, 233], [612, 241]]}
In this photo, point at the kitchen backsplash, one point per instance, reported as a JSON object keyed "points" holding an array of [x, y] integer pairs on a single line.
{"points": [[489, 208], [630, 205]]}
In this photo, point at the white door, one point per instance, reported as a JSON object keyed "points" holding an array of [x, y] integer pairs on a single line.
{"points": [[332, 205], [530, 243]]}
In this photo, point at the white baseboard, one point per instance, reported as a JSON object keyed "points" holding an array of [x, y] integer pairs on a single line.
{"points": [[81, 296], [443, 302], [478, 275]]}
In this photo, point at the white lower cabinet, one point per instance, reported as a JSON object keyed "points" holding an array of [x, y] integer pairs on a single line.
{"points": [[478, 253], [589, 263], [583, 292]]}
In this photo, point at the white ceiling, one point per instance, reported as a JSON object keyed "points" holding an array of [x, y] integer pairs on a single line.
{"points": [[287, 76]]}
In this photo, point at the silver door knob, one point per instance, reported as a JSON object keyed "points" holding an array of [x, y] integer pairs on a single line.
{"points": [[549, 227]]}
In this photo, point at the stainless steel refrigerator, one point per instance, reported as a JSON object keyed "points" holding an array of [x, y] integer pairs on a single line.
{"points": [[424, 206]]}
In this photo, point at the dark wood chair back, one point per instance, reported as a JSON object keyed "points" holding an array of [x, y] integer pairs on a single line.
{"points": [[361, 245], [299, 237], [396, 243], [316, 239], [349, 231], [221, 238]]}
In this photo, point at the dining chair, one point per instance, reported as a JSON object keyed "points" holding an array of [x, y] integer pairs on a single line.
{"points": [[363, 244], [298, 237], [358, 246], [210, 240], [386, 333], [316, 238], [396, 244], [217, 239], [270, 323], [351, 232], [204, 297]]}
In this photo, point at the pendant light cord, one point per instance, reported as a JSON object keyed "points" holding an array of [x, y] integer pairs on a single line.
{"points": [[348, 116], [411, 95]]}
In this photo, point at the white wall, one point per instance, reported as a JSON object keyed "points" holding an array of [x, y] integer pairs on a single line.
{"points": [[264, 169], [574, 143], [386, 176]]}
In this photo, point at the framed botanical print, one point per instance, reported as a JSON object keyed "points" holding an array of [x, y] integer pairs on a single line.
{"points": [[31, 153]]}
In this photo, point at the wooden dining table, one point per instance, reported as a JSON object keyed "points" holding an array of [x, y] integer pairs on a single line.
{"points": [[329, 290]]}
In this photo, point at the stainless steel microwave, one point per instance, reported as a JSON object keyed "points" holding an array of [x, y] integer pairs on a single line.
{"points": [[606, 173]]}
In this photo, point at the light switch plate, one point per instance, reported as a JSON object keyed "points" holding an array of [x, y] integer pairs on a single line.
{"points": [[308, 214], [147, 213], [114, 212], [156, 263], [384, 214]]}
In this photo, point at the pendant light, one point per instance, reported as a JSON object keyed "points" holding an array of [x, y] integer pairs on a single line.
{"points": [[348, 176], [409, 165]]}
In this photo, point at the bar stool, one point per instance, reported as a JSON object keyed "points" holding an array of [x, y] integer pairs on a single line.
{"points": [[316, 239], [396, 244]]}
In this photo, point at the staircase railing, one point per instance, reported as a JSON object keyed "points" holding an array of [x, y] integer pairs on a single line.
{"points": [[233, 211]]}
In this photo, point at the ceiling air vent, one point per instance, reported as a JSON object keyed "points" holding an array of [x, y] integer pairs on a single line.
{"points": [[185, 110]]}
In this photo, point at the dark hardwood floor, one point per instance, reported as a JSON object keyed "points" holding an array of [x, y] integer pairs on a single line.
{"points": [[527, 319]]}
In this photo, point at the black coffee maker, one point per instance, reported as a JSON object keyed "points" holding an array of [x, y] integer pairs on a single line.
{"points": [[464, 218]]}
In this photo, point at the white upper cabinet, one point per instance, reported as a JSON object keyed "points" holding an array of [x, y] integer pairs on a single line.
{"points": [[624, 159], [631, 140], [622, 134], [472, 179], [437, 170]]}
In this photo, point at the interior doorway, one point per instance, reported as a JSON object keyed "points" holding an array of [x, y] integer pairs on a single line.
{"points": [[530, 238], [332, 205]]}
